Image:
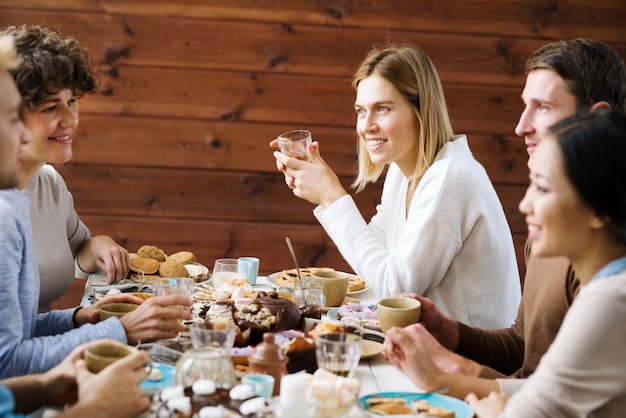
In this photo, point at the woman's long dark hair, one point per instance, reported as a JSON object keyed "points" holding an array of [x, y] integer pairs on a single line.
{"points": [[594, 154]]}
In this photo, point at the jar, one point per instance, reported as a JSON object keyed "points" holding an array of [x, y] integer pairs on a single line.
{"points": [[208, 359], [269, 358]]}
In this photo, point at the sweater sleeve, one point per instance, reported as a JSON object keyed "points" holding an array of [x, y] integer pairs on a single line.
{"points": [[583, 371], [22, 354], [22, 349], [408, 265]]}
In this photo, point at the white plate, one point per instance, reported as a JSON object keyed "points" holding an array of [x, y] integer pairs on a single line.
{"points": [[370, 349], [357, 292], [460, 408]]}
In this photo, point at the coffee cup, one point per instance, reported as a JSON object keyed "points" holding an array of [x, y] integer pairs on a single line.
{"points": [[99, 356], [398, 312], [249, 267], [262, 384], [115, 309], [336, 286]]}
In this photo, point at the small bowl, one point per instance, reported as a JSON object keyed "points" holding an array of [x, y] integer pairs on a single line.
{"points": [[115, 309]]}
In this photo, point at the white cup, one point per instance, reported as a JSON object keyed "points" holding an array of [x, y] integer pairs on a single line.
{"points": [[249, 267]]}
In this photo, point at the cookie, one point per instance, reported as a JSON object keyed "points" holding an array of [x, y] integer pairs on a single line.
{"points": [[150, 251], [183, 257], [144, 265], [391, 407], [172, 268], [356, 283]]}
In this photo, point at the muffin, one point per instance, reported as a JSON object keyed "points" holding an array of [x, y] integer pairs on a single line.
{"points": [[150, 251]]}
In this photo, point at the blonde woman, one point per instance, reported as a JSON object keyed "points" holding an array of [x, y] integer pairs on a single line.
{"points": [[440, 229]]}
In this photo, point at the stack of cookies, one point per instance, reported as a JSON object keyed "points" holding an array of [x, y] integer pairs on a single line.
{"points": [[150, 262]]}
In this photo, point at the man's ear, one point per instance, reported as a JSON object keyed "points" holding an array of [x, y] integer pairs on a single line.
{"points": [[602, 105]]}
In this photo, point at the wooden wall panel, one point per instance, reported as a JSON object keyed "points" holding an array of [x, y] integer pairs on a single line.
{"points": [[173, 149], [523, 18], [243, 146]]}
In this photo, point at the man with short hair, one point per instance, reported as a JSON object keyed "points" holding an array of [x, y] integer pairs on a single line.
{"points": [[70, 378]]}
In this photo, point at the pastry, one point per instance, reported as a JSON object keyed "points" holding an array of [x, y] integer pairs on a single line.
{"points": [[144, 265], [183, 257], [325, 328], [288, 277], [396, 407], [150, 251], [357, 311], [172, 268], [356, 284], [301, 354]]}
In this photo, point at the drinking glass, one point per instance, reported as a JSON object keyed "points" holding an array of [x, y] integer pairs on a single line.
{"points": [[227, 269], [338, 352], [164, 286], [209, 358], [295, 143]]}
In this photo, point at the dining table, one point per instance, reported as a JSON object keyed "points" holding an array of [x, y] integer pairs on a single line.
{"points": [[375, 374]]}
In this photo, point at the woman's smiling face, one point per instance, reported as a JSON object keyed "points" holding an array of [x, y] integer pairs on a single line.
{"points": [[386, 124], [52, 126], [558, 221]]}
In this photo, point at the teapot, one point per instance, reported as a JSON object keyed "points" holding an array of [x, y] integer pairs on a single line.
{"points": [[285, 310]]}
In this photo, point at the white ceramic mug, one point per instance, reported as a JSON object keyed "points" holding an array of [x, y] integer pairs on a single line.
{"points": [[249, 267]]}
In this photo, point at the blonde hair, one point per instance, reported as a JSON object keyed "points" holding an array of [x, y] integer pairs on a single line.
{"points": [[415, 77], [8, 58]]}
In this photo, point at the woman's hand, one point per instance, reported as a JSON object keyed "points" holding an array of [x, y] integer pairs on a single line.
{"points": [[157, 318], [489, 407], [311, 180], [104, 254], [406, 350]]}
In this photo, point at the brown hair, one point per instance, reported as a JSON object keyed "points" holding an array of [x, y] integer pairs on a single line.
{"points": [[591, 69], [49, 63]]}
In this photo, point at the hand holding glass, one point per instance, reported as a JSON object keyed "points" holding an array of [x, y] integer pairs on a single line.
{"points": [[295, 144]]}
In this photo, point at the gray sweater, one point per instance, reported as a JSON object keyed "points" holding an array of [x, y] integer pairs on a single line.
{"points": [[58, 233]]}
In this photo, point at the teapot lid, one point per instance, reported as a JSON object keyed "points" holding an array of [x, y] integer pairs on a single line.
{"points": [[268, 350]]}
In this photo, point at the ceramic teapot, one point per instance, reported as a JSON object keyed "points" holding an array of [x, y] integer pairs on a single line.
{"points": [[285, 310]]}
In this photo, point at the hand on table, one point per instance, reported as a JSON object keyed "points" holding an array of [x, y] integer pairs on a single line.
{"points": [[311, 180], [488, 407], [103, 253], [406, 350]]}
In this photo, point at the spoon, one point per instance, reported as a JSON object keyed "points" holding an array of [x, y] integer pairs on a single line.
{"points": [[295, 261]]}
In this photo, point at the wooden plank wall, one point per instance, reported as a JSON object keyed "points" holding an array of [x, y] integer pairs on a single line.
{"points": [[172, 150]]}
